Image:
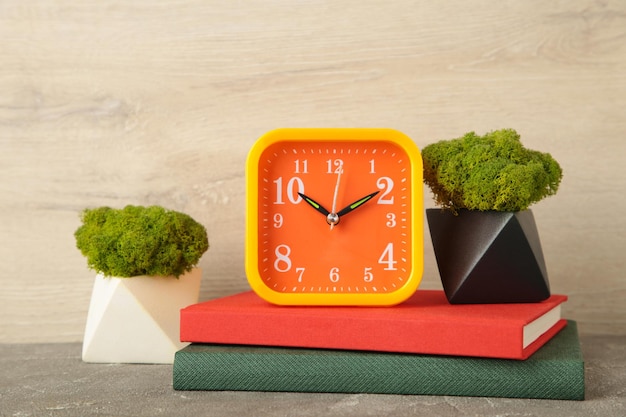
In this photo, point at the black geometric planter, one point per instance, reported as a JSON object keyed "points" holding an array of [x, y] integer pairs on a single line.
{"points": [[487, 257]]}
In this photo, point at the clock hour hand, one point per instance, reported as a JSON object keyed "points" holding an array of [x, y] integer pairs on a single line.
{"points": [[358, 203], [317, 206]]}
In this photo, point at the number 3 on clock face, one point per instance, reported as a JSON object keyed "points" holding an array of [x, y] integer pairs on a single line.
{"points": [[334, 217]]}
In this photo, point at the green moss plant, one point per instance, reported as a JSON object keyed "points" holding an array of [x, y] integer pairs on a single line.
{"points": [[491, 172], [140, 240]]}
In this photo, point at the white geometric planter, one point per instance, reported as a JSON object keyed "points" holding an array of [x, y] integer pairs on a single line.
{"points": [[137, 320]]}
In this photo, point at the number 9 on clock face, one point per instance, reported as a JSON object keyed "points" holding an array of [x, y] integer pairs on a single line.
{"points": [[334, 217]]}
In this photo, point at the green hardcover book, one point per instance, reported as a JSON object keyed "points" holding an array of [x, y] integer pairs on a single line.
{"points": [[555, 371]]}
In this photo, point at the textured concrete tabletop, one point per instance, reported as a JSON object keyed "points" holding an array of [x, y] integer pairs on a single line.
{"points": [[51, 380]]}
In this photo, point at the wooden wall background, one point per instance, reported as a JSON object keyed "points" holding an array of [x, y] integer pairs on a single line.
{"points": [[157, 102]]}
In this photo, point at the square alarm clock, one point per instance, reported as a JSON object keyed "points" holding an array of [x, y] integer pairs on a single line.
{"points": [[334, 217]]}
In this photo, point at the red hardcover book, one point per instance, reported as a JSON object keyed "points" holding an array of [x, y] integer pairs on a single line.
{"points": [[426, 323]]}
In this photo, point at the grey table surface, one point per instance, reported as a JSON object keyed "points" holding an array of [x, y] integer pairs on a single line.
{"points": [[51, 380]]}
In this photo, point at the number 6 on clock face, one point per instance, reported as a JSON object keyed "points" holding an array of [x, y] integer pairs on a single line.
{"points": [[334, 217]]}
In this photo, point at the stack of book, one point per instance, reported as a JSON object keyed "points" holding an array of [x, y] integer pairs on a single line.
{"points": [[422, 346]]}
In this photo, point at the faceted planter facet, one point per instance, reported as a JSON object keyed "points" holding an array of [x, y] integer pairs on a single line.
{"points": [[488, 257], [137, 320]]}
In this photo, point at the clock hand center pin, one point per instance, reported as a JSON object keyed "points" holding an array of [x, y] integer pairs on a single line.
{"points": [[332, 219]]}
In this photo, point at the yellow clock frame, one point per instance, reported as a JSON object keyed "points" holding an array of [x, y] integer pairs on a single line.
{"points": [[326, 138]]}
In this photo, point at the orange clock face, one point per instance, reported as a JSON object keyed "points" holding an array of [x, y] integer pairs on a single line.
{"points": [[334, 217]]}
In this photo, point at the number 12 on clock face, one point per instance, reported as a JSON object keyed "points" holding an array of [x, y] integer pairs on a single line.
{"points": [[334, 217]]}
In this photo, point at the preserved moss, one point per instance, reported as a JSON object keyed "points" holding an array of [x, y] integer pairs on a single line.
{"points": [[491, 172], [140, 240]]}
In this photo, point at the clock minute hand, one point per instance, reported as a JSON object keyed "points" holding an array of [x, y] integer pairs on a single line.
{"points": [[358, 203], [317, 206]]}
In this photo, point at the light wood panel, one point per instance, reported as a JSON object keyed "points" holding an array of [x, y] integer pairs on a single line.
{"points": [[143, 102]]}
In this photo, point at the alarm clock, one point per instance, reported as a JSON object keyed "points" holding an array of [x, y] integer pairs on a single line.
{"points": [[334, 217]]}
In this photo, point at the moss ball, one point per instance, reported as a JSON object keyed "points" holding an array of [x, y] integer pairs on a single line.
{"points": [[140, 240], [491, 172]]}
